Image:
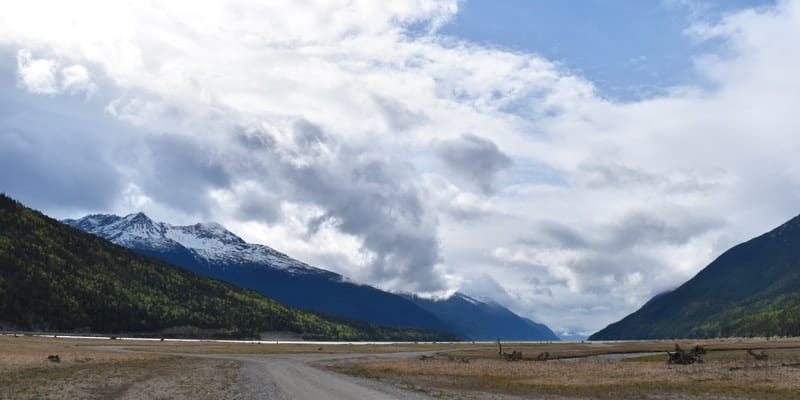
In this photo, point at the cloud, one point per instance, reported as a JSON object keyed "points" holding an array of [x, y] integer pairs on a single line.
{"points": [[44, 76], [49, 157], [36, 75], [335, 131], [477, 159], [75, 79], [370, 200], [38, 166]]}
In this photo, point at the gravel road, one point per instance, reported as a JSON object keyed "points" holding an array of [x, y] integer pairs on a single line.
{"points": [[293, 377]]}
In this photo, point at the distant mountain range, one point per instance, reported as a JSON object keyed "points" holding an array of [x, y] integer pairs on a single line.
{"points": [[56, 278], [483, 320], [211, 250], [752, 289]]}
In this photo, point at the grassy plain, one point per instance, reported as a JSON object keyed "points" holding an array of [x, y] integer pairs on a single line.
{"points": [[728, 372], [85, 373], [88, 370]]}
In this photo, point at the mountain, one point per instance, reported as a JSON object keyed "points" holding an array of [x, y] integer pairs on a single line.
{"points": [[474, 319], [752, 289], [211, 250], [57, 278]]}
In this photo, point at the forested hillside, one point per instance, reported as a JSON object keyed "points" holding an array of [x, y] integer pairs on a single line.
{"points": [[54, 277], [752, 289]]}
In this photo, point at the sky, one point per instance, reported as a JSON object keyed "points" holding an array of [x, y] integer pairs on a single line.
{"points": [[569, 160]]}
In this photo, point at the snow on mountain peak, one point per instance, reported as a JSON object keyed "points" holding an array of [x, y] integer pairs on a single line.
{"points": [[208, 241]]}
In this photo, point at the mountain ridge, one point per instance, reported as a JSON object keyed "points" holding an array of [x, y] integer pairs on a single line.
{"points": [[209, 240], [251, 265], [257, 267], [57, 278], [482, 319], [752, 289]]}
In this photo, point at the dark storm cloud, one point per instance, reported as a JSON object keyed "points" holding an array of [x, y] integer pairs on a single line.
{"points": [[179, 172], [307, 134], [50, 157], [257, 205], [641, 229], [254, 138], [360, 193], [633, 229], [563, 235], [54, 172], [366, 199], [474, 158]]}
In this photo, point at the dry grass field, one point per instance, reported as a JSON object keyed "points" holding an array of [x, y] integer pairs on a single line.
{"points": [[727, 373], [88, 370], [83, 373]]}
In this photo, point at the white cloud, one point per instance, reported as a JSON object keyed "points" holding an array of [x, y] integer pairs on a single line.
{"points": [[75, 79], [36, 75], [313, 126], [44, 76]]}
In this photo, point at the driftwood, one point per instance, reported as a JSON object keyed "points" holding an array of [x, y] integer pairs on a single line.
{"points": [[543, 356], [54, 358], [425, 357], [513, 356], [682, 357], [763, 356], [791, 365]]}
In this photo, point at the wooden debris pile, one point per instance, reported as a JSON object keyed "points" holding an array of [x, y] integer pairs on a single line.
{"points": [[762, 356], [682, 357], [513, 356]]}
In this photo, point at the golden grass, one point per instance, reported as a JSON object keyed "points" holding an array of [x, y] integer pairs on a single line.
{"points": [[581, 378], [577, 349], [88, 371], [25, 373], [728, 373], [31, 352]]}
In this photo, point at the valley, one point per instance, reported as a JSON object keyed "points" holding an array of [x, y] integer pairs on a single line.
{"points": [[135, 369], [408, 199]]}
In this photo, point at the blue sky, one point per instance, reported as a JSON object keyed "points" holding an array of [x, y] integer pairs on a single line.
{"points": [[628, 48], [569, 159]]}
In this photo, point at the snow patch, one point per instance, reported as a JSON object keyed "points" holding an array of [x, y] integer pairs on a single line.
{"points": [[209, 241]]}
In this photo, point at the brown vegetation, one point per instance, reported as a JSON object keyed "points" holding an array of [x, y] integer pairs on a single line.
{"points": [[28, 372], [728, 372], [461, 370]]}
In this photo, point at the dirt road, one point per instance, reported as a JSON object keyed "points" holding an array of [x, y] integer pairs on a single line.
{"points": [[293, 377]]}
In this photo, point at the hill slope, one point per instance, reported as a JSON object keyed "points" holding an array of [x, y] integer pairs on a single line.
{"points": [[54, 277], [211, 250], [474, 319], [752, 289]]}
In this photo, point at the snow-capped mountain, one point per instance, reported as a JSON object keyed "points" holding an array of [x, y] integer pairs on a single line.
{"points": [[209, 242], [211, 250]]}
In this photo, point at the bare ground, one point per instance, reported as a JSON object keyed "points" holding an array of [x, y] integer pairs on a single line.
{"points": [[103, 369], [727, 374], [92, 369], [25, 373]]}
